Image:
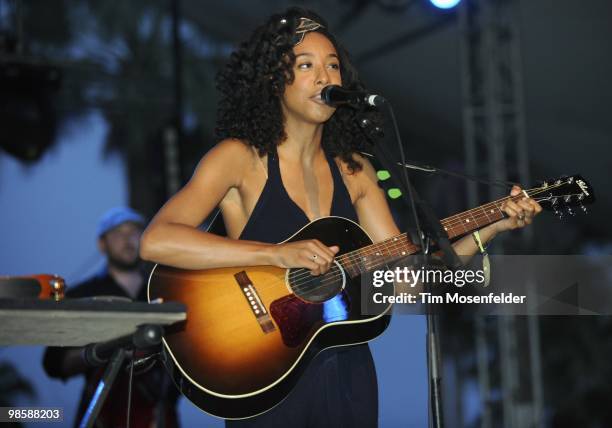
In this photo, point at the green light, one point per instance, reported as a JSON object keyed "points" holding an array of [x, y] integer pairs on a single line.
{"points": [[394, 193], [383, 174]]}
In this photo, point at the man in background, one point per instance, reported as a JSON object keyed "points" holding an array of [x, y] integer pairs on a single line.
{"points": [[153, 395]]}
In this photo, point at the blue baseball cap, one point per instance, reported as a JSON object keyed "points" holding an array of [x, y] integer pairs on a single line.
{"points": [[116, 217]]}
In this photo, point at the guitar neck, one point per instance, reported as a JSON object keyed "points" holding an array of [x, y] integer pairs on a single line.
{"points": [[376, 255], [562, 193]]}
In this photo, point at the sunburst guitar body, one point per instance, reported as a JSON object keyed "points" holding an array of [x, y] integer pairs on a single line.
{"points": [[251, 331]]}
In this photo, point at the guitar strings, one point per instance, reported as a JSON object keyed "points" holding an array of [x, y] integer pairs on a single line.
{"points": [[496, 203], [449, 224], [367, 265], [303, 280], [301, 284], [389, 247]]}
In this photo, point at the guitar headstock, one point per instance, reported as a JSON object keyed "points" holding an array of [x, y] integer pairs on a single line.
{"points": [[563, 194]]}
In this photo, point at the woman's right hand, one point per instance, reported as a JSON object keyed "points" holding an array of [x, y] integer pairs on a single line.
{"points": [[311, 254]]}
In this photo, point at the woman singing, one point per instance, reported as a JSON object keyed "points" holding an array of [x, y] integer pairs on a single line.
{"points": [[284, 159]]}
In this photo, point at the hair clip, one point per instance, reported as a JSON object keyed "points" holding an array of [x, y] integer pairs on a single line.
{"points": [[306, 25]]}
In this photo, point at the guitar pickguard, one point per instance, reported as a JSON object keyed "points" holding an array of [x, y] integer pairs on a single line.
{"points": [[297, 319]]}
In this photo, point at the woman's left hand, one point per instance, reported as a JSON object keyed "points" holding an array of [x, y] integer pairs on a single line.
{"points": [[520, 213]]}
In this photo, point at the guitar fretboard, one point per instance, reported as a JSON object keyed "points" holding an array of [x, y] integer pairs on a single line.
{"points": [[378, 254]]}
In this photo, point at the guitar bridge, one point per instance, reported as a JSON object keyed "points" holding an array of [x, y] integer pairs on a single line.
{"points": [[252, 297]]}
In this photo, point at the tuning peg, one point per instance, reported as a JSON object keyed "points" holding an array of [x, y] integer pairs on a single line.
{"points": [[584, 209], [570, 211], [558, 213]]}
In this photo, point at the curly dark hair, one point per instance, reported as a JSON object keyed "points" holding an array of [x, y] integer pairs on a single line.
{"points": [[253, 81]]}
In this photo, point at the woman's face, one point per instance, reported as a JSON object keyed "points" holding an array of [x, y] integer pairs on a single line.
{"points": [[316, 66]]}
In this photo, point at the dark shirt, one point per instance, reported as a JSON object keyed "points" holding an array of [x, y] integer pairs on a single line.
{"points": [[339, 388], [153, 393]]}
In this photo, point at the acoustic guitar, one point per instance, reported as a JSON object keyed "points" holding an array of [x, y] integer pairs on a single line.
{"points": [[251, 331]]}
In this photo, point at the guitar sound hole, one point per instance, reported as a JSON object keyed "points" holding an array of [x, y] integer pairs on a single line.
{"points": [[316, 289]]}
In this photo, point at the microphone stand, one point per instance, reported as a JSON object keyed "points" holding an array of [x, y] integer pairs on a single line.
{"points": [[98, 354], [429, 229]]}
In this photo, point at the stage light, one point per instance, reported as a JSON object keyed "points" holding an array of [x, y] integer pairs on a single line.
{"points": [[445, 4]]}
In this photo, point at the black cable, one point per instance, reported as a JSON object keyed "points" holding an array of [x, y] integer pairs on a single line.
{"points": [[129, 400], [375, 133], [434, 169], [405, 177]]}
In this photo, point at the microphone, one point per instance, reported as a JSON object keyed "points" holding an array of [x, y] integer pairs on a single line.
{"points": [[334, 96]]}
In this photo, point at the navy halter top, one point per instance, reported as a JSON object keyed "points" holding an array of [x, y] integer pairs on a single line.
{"points": [[276, 217], [339, 386]]}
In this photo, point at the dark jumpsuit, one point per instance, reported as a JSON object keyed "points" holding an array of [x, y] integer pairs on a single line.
{"points": [[338, 389]]}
